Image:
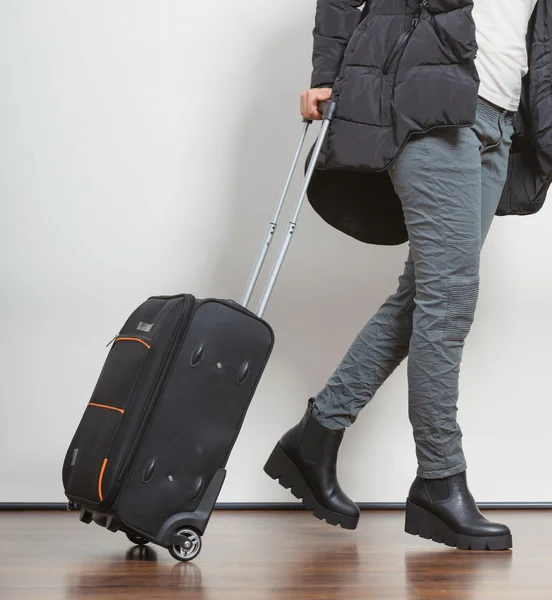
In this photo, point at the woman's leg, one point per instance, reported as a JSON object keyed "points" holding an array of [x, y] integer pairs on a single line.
{"points": [[448, 217], [376, 352], [384, 342], [444, 255], [438, 179]]}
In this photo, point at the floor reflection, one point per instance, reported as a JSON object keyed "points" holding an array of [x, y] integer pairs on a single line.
{"points": [[188, 576], [141, 553], [118, 577], [462, 575], [335, 570]]}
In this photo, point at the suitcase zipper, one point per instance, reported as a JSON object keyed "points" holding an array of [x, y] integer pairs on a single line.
{"points": [[133, 339], [400, 45], [122, 338], [149, 407]]}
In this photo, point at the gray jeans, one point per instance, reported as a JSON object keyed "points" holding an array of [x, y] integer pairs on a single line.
{"points": [[449, 181]]}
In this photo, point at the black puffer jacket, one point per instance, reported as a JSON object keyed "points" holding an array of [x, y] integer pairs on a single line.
{"points": [[401, 67]]}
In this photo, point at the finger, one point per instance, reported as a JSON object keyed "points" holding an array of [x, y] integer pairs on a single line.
{"points": [[313, 107], [304, 105], [323, 96]]}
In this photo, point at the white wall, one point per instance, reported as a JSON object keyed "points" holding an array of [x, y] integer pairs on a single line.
{"points": [[141, 152]]}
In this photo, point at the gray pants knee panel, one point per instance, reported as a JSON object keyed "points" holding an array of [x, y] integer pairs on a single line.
{"points": [[460, 311]]}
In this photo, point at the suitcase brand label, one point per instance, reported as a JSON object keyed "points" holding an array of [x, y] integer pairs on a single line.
{"points": [[144, 326], [74, 457]]}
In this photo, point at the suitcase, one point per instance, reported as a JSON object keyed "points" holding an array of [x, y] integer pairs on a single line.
{"points": [[149, 454]]}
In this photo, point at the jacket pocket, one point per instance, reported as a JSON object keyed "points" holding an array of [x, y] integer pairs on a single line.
{"points": [[87, 458]]}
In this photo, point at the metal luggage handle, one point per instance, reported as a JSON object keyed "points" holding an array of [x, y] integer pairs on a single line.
{"points": [[327, 109]]}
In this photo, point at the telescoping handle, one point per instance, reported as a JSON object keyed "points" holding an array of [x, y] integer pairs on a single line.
{"points": [[327, 109]]}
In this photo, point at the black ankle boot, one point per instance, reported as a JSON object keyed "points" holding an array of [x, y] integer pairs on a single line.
{"points": [[444, 510], [305, 461]]}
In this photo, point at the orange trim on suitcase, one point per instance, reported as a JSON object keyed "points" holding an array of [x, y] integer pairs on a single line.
{"points": [[101, 478], [131, 339], [105, 406]]}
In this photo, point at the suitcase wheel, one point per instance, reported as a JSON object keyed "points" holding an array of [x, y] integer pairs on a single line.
{"points": [[137, 539], [190, 547]]}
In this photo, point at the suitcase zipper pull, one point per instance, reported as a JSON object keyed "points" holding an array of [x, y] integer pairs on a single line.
{"points": [[109, 343]]}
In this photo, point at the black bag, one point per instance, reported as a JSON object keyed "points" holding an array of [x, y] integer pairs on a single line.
{"points": [[149, 455]]}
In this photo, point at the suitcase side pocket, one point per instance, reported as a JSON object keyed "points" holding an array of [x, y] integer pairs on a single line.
{"points": [[87, 458]]}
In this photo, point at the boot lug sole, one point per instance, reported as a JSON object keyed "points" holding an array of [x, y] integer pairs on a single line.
{"points": [[282, 469], [424, 524]]}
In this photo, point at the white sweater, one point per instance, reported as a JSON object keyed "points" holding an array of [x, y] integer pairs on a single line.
{"points": [[502, 57]]}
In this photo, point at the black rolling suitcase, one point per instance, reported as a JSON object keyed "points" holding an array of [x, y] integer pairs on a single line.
{"points": [[149, 455]]}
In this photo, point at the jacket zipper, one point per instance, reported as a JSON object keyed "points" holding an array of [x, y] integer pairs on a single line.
{"points": [[400, 45], [149, 406]]}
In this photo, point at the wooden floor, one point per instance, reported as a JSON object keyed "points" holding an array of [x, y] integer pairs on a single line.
{"points": [[269, 556]]}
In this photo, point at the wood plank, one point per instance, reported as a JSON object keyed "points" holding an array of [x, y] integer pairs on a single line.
{"points": [[270, 556]]}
